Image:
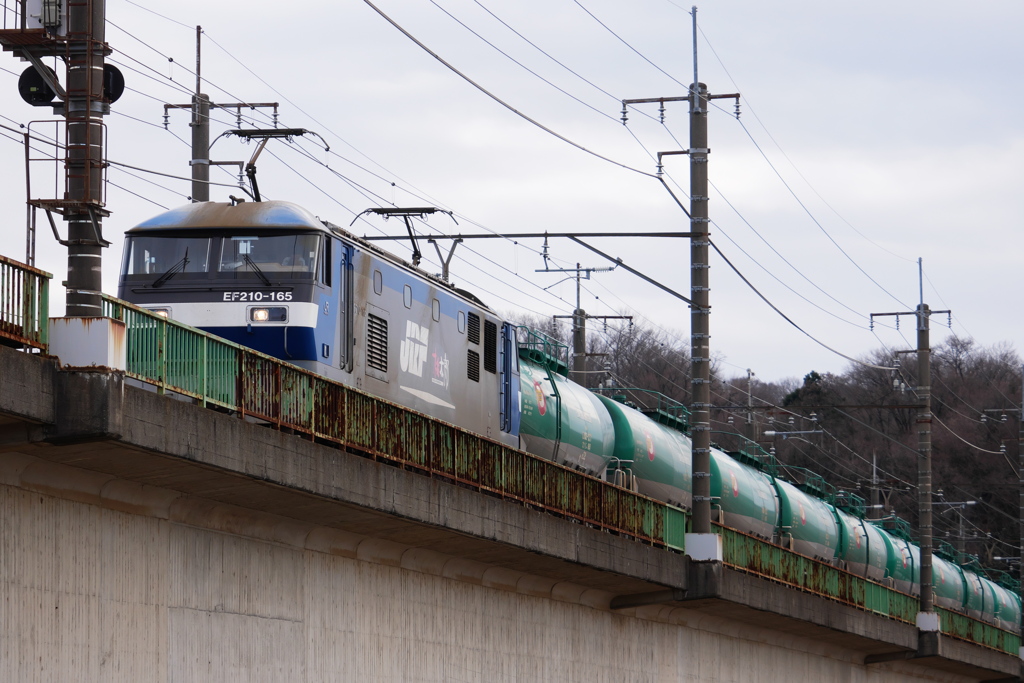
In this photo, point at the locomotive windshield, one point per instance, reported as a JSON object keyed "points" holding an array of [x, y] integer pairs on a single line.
{"points": [[266, 257]]}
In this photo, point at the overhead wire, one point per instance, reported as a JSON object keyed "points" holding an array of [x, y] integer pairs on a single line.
{"points": [[497, 99], [753, 112], [516, 61]]}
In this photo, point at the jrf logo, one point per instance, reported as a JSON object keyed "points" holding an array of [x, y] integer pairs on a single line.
{"points": [[413, 350]]}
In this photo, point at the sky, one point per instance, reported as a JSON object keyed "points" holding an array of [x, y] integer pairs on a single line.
{"points": [[871, 135]]}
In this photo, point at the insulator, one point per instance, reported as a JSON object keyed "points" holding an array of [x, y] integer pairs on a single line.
{"points": [[984, 418]]}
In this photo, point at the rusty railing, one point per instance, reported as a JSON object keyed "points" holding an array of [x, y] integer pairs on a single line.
{"points": [[755, 556], [24, 304], [187, 361]]}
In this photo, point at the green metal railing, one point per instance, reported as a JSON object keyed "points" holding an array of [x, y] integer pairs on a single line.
{"points": [[755, 556], [24, 304], [187, 361]]}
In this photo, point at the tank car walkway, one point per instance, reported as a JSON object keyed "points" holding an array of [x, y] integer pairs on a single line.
{"points": [[181, 542]]}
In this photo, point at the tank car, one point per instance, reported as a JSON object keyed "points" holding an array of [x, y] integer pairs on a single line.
{"points": [[658, 457], [861, 550], [273, 277], [744, 497], [561, 420], [806, 524]]}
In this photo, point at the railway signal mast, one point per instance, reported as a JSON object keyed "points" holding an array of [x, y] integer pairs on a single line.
{"points": [[74, 32]]}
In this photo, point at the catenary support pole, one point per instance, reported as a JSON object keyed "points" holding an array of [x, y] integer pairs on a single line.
{"points": [[924, 450], [200, 132], [700, 335], [84, 109]]}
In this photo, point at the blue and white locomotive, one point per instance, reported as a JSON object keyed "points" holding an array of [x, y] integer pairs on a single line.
{"points": [[273, 277]]}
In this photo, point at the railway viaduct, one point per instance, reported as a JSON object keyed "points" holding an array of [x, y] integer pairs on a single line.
{"points": [[146, 535]]}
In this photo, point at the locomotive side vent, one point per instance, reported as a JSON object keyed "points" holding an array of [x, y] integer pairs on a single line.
{"points": [[377, 343], [474, 328], [473, 366], [490, 346]]}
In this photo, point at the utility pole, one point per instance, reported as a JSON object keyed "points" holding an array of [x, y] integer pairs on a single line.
{"points": [[701, 544], [1020, 511], [200, 132], [874, 511], [750, 406], [200, 125], [578, 372], [927, 618]]}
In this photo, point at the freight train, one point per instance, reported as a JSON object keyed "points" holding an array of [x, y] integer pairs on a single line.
{"points": [[273, 277]]}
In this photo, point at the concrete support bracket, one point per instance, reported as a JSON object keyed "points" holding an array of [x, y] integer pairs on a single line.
{"points": [[703, 580], [929, 644], [89, 407]]}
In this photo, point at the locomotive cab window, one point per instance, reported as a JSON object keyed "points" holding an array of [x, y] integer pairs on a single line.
{"points": [[273, 256], [152, 256]]}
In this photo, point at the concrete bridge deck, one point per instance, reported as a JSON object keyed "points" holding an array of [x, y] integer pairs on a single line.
{"points": [[147, 538]]}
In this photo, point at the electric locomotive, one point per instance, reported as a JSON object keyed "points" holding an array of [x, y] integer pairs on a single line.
{"points": [[273, 277]]}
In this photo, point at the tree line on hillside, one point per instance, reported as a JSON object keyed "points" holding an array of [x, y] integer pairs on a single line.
{"points": [[857, 429]]}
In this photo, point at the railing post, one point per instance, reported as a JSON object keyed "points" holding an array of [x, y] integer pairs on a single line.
{"points": [[161, 355], [44, 312], [205, 370]]}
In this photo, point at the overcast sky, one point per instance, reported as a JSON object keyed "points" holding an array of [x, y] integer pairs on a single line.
{"points": [[871, 134]]}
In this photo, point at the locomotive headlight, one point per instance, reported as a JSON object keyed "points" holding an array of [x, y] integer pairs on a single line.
{"points": [[268, 314], [162, 312]]}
